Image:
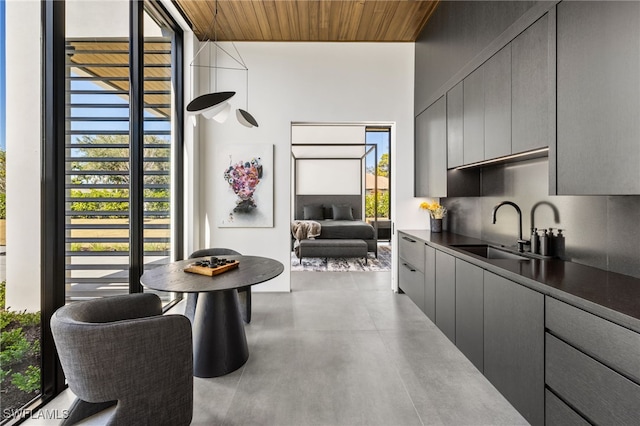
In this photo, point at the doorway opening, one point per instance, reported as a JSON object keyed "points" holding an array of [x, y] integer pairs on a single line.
{"points": [[340, 216]]}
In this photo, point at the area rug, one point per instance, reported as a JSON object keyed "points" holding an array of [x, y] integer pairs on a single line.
{"points": [[340, 264]]}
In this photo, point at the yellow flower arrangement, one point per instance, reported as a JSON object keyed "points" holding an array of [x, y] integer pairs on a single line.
{"points": [[436, 210]]}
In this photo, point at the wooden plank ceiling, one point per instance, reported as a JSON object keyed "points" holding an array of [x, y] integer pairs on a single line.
{"points": [[308, 20]]}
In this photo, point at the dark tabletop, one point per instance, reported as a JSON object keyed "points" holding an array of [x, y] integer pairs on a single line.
{"points": [[251, 270]]}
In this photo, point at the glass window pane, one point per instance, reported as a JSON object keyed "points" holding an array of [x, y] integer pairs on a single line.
{"points": [[97, 141], [20, 324], [380, 166], [158, 140]]}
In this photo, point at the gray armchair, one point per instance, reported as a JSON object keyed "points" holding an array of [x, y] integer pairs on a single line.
{"points": [[244, 293], [122, 351]]}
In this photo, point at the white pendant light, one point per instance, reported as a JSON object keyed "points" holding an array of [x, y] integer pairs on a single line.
{"points": [[223, 113], [245, 118], [242, 115]]}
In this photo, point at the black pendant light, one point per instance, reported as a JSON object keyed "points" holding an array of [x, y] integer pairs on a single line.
{"points": [[214, 105], [208, 101]]}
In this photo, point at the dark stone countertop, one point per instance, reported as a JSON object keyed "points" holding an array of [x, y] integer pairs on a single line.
{"points": [[610, 295]]}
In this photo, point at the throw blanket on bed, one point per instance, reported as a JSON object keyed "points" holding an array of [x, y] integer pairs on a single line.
{"points": [[303, 229]]}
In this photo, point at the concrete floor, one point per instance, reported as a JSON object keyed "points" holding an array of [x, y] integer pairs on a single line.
{"points": [[343, 349]]}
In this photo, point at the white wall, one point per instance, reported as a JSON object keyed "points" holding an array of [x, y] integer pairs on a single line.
{"points": [[310, 82], [329, 177], [23, 20]]}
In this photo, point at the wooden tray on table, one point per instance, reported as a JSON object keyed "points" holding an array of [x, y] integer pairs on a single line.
{"points": [[211, 269]]}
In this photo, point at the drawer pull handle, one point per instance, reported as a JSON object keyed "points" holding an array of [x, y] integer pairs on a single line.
{"points": [[409, 267], [408, 239]]}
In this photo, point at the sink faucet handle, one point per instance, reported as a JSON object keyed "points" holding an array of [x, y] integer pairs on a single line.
{"points": [[521, 243]]}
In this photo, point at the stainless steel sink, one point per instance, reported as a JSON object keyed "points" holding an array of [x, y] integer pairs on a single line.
{"points": [[489, 252]]}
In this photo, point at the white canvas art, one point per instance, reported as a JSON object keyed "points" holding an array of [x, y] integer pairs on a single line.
{"points": [[244, 176]]}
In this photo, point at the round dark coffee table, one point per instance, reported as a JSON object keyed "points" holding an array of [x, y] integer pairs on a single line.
{"points": [[219, 341]]}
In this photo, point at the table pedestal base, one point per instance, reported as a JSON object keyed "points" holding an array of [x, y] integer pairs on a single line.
{"points": [[219, 341]]}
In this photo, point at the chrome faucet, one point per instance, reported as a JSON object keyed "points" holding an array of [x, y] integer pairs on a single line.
{"points": [[521, 242]]}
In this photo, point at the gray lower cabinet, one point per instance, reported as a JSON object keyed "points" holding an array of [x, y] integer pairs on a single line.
{"points": [[411, 281], [602, 395], [431, 151], [592, 364], [470, 312], [497, 104], [587, 333], [430, 283], [598, 98], [411, 268], [411, 250], [455, 129], [557, 413], [514, 344], [531, 93], [473, 136], [446, 294]]}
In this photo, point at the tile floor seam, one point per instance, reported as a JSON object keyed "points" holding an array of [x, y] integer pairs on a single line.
{"points": [[395, 368], [404, 385], [235, 391]]}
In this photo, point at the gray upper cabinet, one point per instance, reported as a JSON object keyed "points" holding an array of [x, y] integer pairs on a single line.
{"points": [[497, 104], [514, 344], [598, 105], [530, 91], [473, 137], [455, 130], [431, 151]]}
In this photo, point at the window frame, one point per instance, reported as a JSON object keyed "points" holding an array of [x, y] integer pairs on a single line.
{"points": [[53, 170]]}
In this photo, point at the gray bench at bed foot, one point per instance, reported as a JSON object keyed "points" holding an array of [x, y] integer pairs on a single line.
{"points": [[333, 248]]}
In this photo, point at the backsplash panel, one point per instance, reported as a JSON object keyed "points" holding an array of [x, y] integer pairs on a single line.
{"points": [[600, 231]]}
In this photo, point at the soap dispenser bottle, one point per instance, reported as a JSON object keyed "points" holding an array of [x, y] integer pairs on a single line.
{"points": [[559, 244], [544, 243], [535, 241]]}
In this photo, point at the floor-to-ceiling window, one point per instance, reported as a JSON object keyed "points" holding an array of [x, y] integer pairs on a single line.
{"points": [[19, 312], [99, 170], [97, 149], [111, 163]]}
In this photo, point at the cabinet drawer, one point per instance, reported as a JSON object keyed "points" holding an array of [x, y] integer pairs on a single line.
{"points": [[599, 393], [412, 283], [613, 345], [557, 413], [412, 251]]}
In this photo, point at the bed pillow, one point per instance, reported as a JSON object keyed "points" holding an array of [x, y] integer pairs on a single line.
{"points": [[342, 212], [313, 212]]}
